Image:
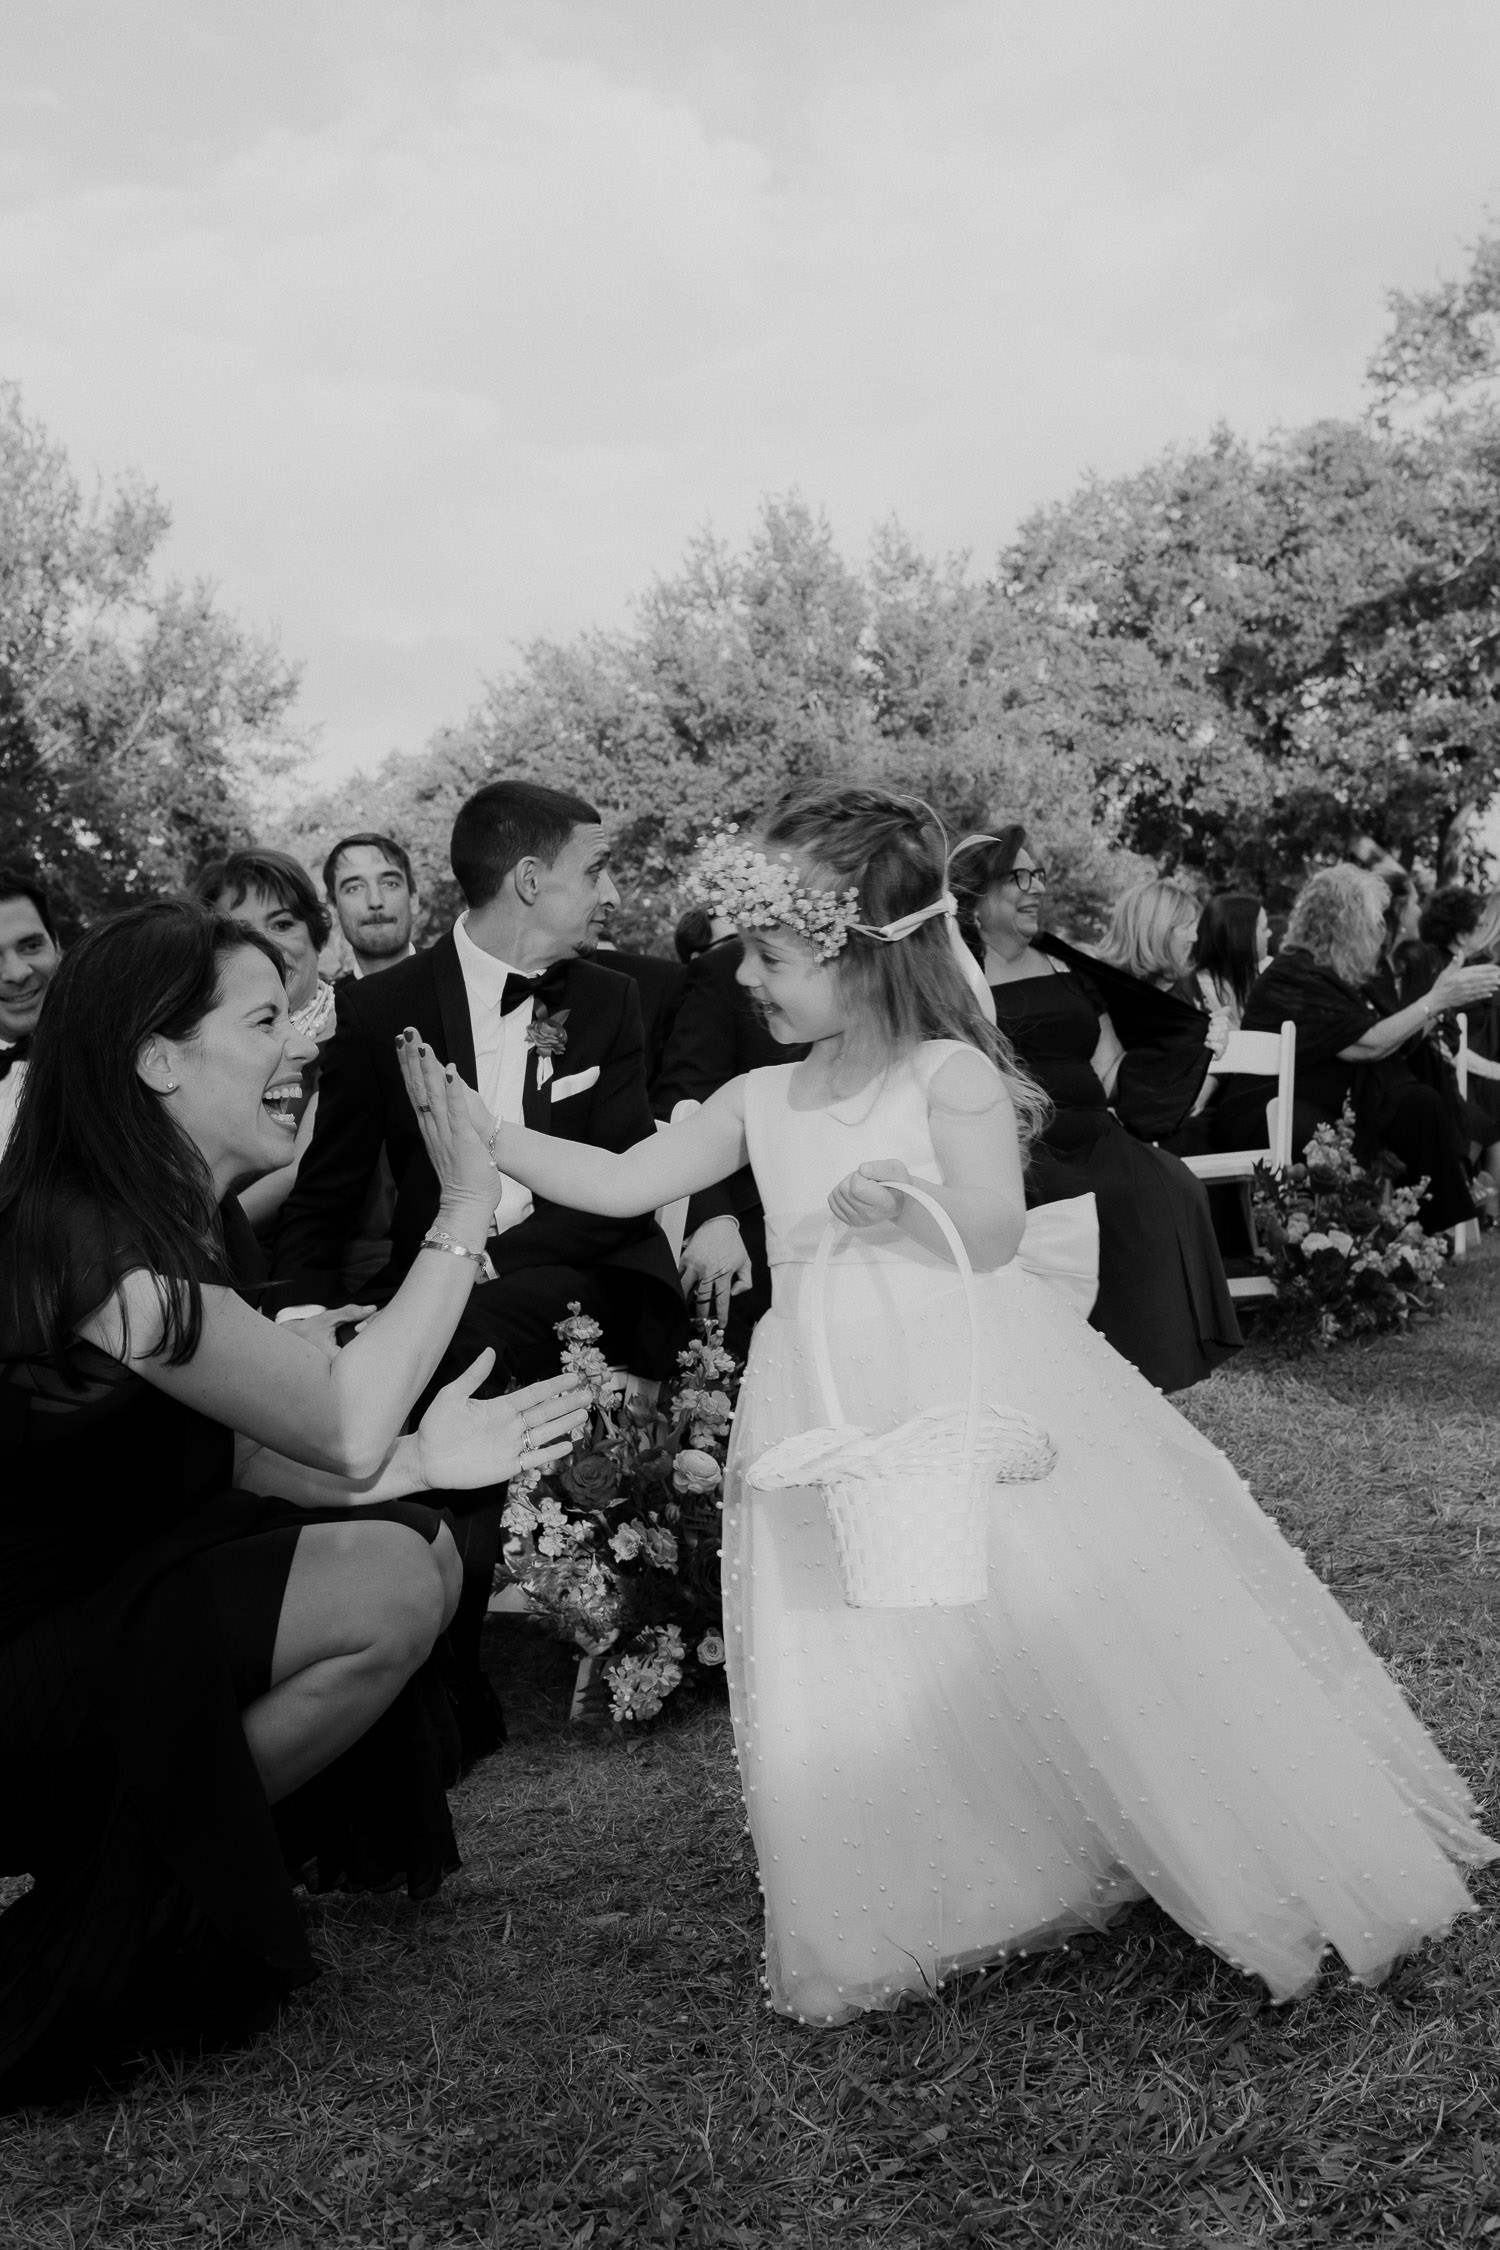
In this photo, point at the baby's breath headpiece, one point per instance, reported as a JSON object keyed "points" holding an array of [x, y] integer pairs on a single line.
{"points": [[732, 878], [754, 892]]}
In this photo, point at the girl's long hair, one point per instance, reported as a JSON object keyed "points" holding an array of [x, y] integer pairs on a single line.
{"points": [[98, 1178], [1226, 949], [1138, 939], [891, 850]]}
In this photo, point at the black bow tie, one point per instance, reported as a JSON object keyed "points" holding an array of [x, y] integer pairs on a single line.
{"points": [[546, 988], [17, 1053]]}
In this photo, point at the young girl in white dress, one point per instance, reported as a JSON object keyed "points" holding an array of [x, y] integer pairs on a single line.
{"points": [[1157, 1696]]}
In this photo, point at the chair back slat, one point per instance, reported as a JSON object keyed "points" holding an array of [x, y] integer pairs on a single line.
{"points": [[1255, 1054]]}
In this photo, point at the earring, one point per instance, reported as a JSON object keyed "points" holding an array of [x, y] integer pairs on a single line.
{"points": [[169, 1086]]}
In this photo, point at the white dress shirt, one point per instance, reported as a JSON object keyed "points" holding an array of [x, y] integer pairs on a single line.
{"points": [[10, 1094], [499, 1056]]}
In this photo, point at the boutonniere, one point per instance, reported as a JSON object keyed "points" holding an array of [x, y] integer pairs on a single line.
{"points": [[548, 1033]]}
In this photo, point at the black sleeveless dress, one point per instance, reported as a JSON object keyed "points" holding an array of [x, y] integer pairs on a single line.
{"points": [[1163, 1299], [139, 1600]]}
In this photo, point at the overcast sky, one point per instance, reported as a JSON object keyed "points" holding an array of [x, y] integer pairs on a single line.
{"points": [[444, 323]]}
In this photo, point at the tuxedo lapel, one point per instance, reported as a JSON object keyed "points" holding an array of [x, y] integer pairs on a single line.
{"points": [[453, 1007]]}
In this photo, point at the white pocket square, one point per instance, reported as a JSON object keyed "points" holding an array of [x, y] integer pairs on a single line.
{"points": [[579, 1083]]}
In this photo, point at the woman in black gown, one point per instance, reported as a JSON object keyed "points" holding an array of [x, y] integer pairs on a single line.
{"points": [[178, 1651], [1163, 1300], [1354, 1042]]}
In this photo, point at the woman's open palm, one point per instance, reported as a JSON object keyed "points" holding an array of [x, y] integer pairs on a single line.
{"points": [[464, 1441]]}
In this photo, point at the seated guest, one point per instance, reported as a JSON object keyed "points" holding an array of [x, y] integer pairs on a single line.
{"points": [[694, 933], [1350, 1047], [29, 954], [1479, 943], [658, 985], [1151, 935], [274, 893], [1163, 1300], [718, 1035], [188, 1639], [1231, 948], [368, 881], [548, 1039]]}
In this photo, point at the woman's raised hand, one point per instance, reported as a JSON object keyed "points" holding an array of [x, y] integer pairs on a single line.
{"points": [[1460, 983], [455, 1125], [860, 1200], [464, 1441]]}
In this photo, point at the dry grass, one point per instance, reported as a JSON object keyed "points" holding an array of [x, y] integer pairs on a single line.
{"points": [[568, 2049]]}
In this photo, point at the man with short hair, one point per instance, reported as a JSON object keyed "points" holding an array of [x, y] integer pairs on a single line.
{"points": [[29, 954], [549, 1039], [370, 886]]}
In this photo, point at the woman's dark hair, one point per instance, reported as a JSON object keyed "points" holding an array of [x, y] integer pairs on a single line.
{"points": [[972, 870], [16, 883], [694, 933], [506, 822], [1226, 949], [98, 1178], [1449, 915], [1400, 891], [226, 883]]}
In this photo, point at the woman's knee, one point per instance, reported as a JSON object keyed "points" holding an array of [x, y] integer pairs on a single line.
{"points": [[398, 1593]]}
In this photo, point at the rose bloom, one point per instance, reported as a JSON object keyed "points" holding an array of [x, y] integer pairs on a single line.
{"points": [[593, 1479], [693, 1471], [711, 1649]]}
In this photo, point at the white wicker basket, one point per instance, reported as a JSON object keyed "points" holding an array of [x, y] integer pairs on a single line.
{"points": [[907, 1506]]}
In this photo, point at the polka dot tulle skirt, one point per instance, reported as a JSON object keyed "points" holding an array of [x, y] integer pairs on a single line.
{"points": [[1157, 1696]]}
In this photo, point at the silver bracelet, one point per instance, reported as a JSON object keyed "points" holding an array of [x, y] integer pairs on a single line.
{"points": [[437, 1239]]}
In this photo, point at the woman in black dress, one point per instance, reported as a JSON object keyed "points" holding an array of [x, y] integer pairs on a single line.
{"points": [[178, 1652], [1163, 1300], [1352, 1046]]}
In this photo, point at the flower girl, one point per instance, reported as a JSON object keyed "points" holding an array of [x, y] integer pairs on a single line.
{"points": [[1154, 1695]]}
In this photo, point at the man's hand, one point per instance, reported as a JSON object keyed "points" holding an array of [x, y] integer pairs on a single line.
{"points": [[715, 1266]]}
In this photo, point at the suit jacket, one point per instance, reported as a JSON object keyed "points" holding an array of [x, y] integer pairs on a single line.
{"points": [[658, 984], [717, 1036], [363, 1106]]}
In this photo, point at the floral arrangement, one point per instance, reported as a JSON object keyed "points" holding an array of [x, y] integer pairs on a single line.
{"points": [[732, 878], [617, 1548], [1343, 1246]]}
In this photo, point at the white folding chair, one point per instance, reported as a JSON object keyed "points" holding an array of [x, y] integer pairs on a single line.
{"points": [[1255, 1054], [1466, 1233]]}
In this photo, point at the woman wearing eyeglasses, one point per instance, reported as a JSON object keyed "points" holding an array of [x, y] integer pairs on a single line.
{"points": [[1163, 1300]]}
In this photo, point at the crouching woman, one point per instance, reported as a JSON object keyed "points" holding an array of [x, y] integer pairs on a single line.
{"points": [[181, 1649]]}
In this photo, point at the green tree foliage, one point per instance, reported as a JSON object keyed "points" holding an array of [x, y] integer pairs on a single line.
{"points": [[135, 719], [1236, 663]]}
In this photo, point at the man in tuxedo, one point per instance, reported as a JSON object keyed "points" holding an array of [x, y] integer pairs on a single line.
{"points": [[550, 1040], [716, 1035], [29, 954]]}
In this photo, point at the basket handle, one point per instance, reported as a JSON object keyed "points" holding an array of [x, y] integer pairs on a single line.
{"points": [[817, 1310]]}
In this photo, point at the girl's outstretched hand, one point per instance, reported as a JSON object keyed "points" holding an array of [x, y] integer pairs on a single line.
{"points": [[860, 1200], [463, 1441]]}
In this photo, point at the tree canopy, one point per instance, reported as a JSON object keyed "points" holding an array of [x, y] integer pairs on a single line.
{"points": [[135, 717]]}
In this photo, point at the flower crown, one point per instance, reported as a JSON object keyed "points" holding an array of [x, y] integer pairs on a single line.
{"points": [[753, 892]]}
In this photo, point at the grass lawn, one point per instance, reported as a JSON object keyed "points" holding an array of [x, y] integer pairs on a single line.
{"points": [[569, 2048]]}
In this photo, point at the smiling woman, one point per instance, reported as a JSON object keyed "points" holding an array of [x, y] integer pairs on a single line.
{"points": [[179, 1652]]}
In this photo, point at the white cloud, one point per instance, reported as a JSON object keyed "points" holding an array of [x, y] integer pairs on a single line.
{"points": [[440, 326]]}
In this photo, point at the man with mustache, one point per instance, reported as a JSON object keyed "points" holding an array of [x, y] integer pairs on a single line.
{"points": [[29, 954], [369, 884]]}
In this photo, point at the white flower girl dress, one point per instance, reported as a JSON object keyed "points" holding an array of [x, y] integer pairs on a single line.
{"points": [[1156, 1696]]}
